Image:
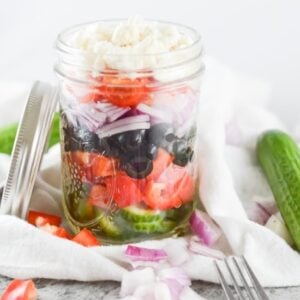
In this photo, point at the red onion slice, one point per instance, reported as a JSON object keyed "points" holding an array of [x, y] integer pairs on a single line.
{"points": [[124, 128], [257, 213], [124, 122], [155, 113], [116, 114], [176, 280], [135, 253], [204, 227], [197, 247]]}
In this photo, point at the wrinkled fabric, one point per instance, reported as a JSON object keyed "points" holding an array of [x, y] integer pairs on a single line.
{"points": [[232, 114]]}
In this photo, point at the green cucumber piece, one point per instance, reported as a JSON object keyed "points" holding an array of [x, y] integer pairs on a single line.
{"points": [[136, 214], [109, 227], [181, 213], [153, 227], [85, 212], [279, 157]]}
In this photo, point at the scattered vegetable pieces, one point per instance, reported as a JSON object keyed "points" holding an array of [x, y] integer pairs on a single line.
{"points": [[86, 238], [37, 218], [144, 254], [55, 230], [205, 228], [20, 290], [50, 223]]}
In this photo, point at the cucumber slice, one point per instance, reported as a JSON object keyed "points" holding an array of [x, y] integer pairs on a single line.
{"points": [[108, 226], [181, 213], [85, 212], [153, 227], [137, 215]]}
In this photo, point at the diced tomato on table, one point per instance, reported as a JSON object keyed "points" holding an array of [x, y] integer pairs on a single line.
{"points": [[37, 218], [20, 290], [86, 238]]}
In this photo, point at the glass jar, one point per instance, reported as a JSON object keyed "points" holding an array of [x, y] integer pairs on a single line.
{"points": [[128, 140]]}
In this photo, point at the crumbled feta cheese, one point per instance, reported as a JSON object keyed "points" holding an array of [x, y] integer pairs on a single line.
{"points": [[130, 45]]}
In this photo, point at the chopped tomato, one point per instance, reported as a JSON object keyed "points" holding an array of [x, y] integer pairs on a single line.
{"points": [[55, 230], [172, 188], [93, 165], [99, 196], [86, 238], [157, 196], [120, 91], [62, 233], [161, 162], [186, 188], [172, 175], [125, 190], [102, 166], [37, 218], [20, 290], [82, 158]]}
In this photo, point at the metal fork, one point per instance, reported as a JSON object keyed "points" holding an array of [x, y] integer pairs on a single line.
{"points": [[243, 290]]}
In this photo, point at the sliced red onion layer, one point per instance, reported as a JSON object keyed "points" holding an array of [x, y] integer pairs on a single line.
{"points": [[125, 128], [94, 115], [197, 247], [124, 122], [135, 253], [204, 227], [155, 113], [116, 114], [179, 105]]}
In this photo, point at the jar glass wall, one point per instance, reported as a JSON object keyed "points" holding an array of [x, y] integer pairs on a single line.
{"points": [[128, 140]]}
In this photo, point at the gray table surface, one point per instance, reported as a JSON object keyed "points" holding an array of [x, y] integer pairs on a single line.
{"points": [[71, 290]]}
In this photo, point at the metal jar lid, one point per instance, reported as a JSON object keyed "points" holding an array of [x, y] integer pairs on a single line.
{"points": [[29, 146]]}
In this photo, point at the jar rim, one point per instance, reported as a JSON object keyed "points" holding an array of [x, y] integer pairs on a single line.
{"points": [[62, 46]]}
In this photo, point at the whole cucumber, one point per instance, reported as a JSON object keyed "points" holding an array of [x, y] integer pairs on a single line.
{"points": [[279, 156]]}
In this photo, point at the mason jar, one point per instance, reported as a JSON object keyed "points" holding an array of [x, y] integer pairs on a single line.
{"points": [[128, 132]]}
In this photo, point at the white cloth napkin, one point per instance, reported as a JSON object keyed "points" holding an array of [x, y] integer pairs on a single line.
{"points": [[231, 116]]}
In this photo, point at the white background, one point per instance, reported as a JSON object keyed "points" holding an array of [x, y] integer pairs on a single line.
{"points": [[257, 37]]}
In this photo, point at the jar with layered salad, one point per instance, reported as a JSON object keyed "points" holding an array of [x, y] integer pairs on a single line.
{"points": [[129, 94]]}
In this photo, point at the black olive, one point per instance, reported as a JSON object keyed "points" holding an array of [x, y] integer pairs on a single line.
{"points": [[190, 153], [138, 167], [88, 140], [181, 161], [104, 147], [157, 133], [180, 147], [134, 139], [151, 151]]}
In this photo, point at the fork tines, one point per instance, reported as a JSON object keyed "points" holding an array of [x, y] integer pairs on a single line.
{"points": [[240, 272]]}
